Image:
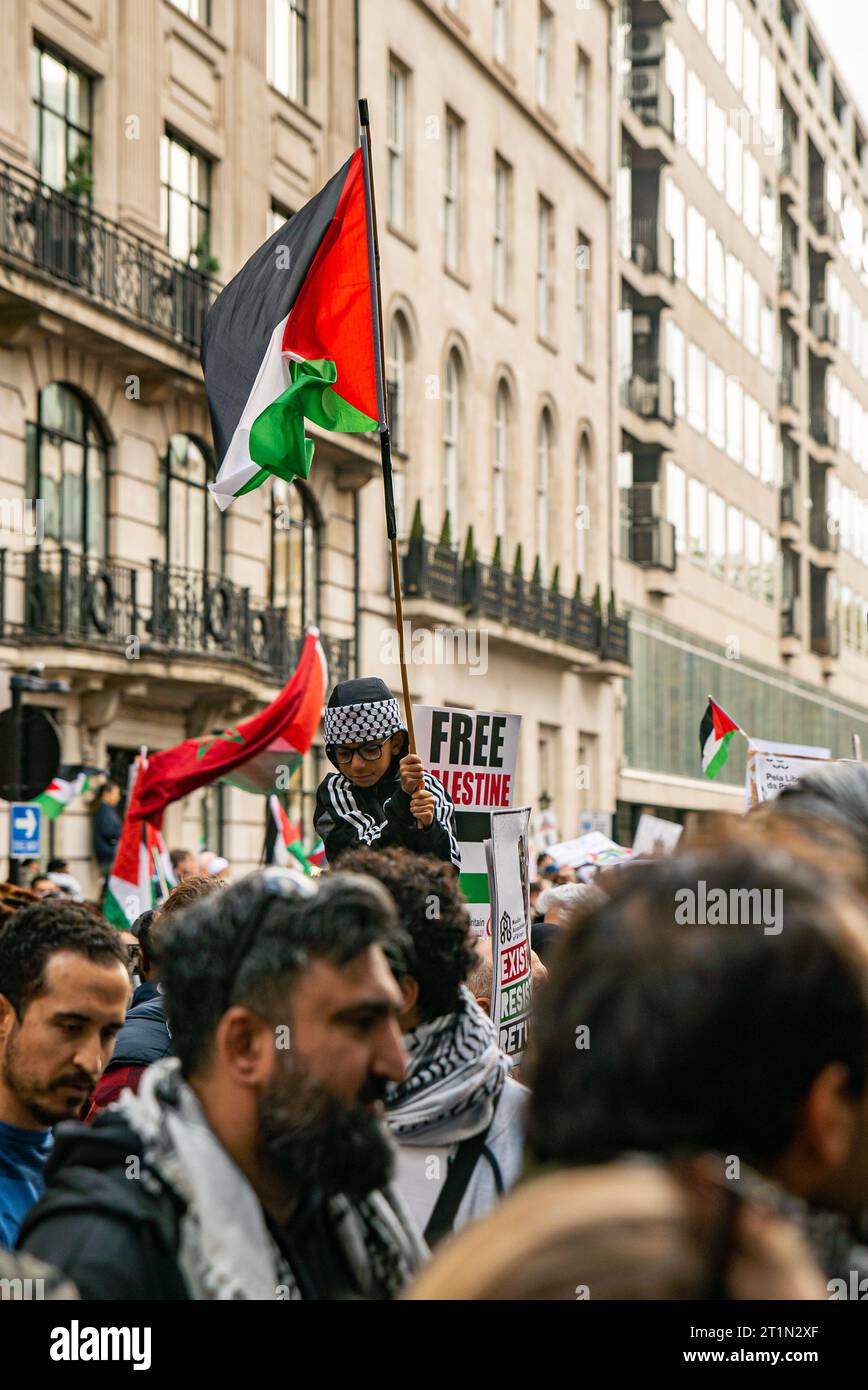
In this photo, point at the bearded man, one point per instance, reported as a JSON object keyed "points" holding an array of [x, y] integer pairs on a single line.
{"points": [[254, 1164]]}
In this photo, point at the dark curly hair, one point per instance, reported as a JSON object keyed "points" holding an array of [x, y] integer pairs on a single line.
{"points": [[32, 936], [702, 1037], [250, 944], [433, 912]]}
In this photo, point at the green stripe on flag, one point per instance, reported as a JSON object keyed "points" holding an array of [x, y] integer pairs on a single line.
{"points": [[475, 887], [720, 756], [277, 439]]}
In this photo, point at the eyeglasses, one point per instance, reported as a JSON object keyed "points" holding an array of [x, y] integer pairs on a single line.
{"points": [[277, 883], [370, 752]]}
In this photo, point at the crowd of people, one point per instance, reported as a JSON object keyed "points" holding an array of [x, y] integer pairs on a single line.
{"points": [[291, 1087]]}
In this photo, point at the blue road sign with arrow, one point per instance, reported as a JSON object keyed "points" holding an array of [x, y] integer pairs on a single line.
{"points": [[26, 827]]}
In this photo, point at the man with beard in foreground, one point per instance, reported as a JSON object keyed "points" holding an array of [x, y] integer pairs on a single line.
{"points": [[254, 1164]]}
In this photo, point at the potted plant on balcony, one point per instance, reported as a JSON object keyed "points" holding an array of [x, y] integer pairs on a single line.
{"points": [[199, 257], [79, 174], [470, 573], [414, 559]]}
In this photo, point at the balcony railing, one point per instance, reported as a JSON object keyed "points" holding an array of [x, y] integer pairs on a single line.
{"points": [[788, 275], [649, 392], [825, 637], [823, 427], [824, 531], [823, 322], [652, 249], [789, 157], [652, 543], [482, 589], [59, 596], [826, 221], [100, 260], [788, 502], [790, 621], [646, 93], [788, 389]]}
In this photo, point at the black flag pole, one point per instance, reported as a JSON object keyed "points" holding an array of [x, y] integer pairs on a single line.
{"points": [[385, 437]]}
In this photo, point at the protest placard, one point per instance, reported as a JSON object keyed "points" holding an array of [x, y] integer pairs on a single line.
{"points": [[772, 766], [591, 849], [656, 836], [474, 753], [507, 852]]}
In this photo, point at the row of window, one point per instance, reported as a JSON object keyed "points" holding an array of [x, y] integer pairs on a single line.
{"points": [[456, 214], [852, 420], [718, 278], [734, 44], [852, 334], [851, 611], [68, 469], [848, 513], [717, 140], [503, 449], [718, 406], [731, 545]]}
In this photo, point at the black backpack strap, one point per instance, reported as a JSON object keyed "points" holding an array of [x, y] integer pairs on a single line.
{"points": [[465, 1159]]}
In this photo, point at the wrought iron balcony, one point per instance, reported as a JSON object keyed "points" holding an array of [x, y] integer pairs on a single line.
{"points": [[60, 597], [100, 260], [481, 589]]}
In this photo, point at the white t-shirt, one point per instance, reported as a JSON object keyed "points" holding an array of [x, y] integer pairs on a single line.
{"points": [[420, 1172]]}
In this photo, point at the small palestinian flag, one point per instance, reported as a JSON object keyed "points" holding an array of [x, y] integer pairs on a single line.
{"points": [[316, 854], [291, 338], [69, 783], [715, 732], [288, 839]]}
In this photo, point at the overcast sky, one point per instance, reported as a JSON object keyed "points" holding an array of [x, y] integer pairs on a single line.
{"points": [[844, 26]]}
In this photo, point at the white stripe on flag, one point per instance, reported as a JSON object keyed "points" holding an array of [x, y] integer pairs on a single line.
{"points": [[271, 381]]}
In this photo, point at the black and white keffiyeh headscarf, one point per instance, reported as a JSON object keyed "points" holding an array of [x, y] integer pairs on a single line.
{"points": [[226, 1250], [365, 722], [454, 1079]]}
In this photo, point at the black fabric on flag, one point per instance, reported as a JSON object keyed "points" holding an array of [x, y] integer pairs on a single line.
{"points": [[244, 315], [706, 729]]}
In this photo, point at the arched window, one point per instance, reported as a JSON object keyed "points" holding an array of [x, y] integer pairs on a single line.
{"points": [[502, 431], [192, 521], [545, 432], [583, 462], [452, 424], [67, 451], [295, 548], [396, 386]]}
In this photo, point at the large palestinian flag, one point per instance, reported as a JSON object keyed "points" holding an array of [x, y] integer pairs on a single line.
{"points": [[291, 338]]}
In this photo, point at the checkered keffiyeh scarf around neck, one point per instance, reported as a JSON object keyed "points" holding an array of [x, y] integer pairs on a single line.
{"points": [[226, 1250], [454, 1080]]}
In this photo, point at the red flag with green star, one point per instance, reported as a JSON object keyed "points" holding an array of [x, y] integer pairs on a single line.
{"points": [[288, 724]]}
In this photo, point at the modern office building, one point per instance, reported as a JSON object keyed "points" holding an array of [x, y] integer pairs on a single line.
{"points": [[742, 338]]}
